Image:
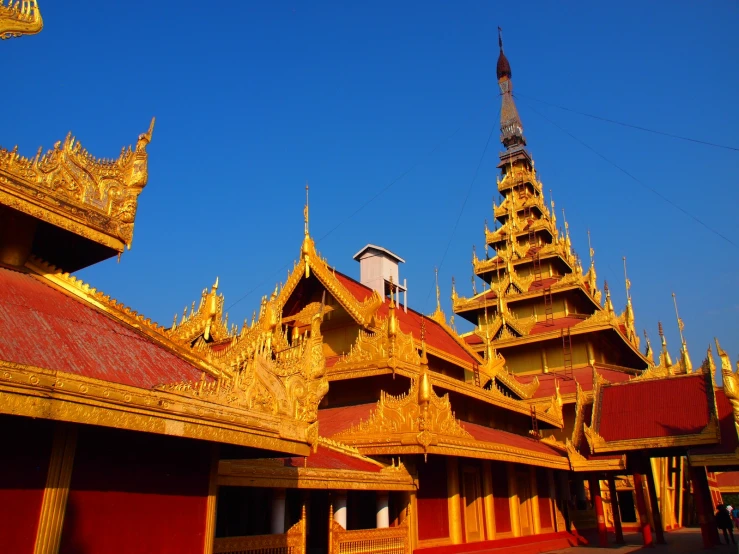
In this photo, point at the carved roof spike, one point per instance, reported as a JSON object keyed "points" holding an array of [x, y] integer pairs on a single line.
{"points": [[665, 361], [709, 366], [608, 304], [649, 354], [510, 123], [438, 295], [454, 290], [424, 385]]}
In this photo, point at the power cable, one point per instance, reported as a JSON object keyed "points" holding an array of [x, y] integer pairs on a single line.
{"points": [[631, 126], [464, 204], [631, 176], [367, 203]]}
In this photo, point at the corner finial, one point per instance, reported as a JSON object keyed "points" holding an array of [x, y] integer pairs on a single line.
{"points": [[305, 210]]}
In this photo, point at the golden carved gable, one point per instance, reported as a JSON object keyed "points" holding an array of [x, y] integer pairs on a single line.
{"points": [[69, 188], [405, 418]]}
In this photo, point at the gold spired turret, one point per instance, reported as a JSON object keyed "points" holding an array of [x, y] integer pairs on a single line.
{"points": [[538, 306], [20, 18]]}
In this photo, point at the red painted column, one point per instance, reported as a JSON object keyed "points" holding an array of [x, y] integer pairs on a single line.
{"points": [[641, 508], [616, 509], [701, 496], [597, 499], [656, 515]]}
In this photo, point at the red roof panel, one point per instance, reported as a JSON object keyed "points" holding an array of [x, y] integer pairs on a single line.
{"points": [[728, 479], [335, 420], [487, 434], [582, 375], [43, 327], [646, 409]]}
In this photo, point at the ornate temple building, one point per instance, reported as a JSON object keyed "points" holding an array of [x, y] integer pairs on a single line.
{"points": [[339, 419]]}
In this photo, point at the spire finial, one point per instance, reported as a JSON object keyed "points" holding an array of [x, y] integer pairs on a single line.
{"points": [[684, 356], [592, 252], [305, 210], [628, 283], [500, 39]]}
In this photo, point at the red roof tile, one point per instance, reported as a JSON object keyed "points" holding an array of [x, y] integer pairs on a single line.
{"points": [[43, 327], [582, 375], [327, 458], [653, 408], [335, 420], [728, 479], [410, 322], [486, 434]]}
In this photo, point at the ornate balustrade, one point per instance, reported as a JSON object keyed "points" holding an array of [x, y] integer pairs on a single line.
{"points": [[291, 542], [389, 540]]}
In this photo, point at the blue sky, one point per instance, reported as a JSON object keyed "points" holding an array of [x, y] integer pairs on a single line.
{"points": [[254, 99]]}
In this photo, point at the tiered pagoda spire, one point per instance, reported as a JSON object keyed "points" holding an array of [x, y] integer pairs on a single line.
{"points": [[535, 290]]}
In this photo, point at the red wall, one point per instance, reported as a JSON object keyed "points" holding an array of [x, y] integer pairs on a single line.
{"points": [[433, 505], [501, 505], [545, 503], [24, 463], [136, 493]]}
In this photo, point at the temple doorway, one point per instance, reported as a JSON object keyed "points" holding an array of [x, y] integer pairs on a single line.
{"points": [[626, 506], [473, 515]]}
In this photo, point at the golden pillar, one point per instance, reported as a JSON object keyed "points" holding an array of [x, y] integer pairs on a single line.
{"points": [[487, 492], [54, 503], [455, 513], [513, 501]]}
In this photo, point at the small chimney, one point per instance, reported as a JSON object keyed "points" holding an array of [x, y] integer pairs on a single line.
{"points": [[378, 267]]}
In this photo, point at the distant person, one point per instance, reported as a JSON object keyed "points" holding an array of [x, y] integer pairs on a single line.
{"points": [[735, 516], [723, 522]]}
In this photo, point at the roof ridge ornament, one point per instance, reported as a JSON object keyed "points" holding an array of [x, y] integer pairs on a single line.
{"points": [[686, 364], [20, 18]]}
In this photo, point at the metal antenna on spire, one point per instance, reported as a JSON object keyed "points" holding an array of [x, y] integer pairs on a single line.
{"points": [[305, 210], [626, 280], [500, 38], [680, 324]]}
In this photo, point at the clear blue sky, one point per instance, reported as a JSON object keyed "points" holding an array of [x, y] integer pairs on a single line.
{"points": [[253, 99]]}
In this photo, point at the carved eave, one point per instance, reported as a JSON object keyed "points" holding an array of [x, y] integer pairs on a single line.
{"points": [[272, 473], [42, 393], [70, 190], [580, 463], [20, 18]]}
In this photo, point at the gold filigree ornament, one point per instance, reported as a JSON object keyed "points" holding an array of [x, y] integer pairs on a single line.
{"points": [[20, 18], [69, 188], [263, 370]]}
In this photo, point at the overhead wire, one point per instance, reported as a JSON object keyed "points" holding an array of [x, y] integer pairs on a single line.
{"points": [[632, 177], [382, 191], [464, 203], [629, 125]]}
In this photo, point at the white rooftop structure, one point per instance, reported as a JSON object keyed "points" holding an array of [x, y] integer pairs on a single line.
{"points": [[378, 267]]}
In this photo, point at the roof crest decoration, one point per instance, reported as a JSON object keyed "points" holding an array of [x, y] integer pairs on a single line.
{"points": [[20, 18], [95, 198]]}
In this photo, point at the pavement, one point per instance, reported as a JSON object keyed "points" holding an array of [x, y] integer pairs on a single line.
{"points": [[681, 541]]}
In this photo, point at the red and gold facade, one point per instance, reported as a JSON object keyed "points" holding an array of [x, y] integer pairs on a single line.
{"points": [[339, 419]]}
